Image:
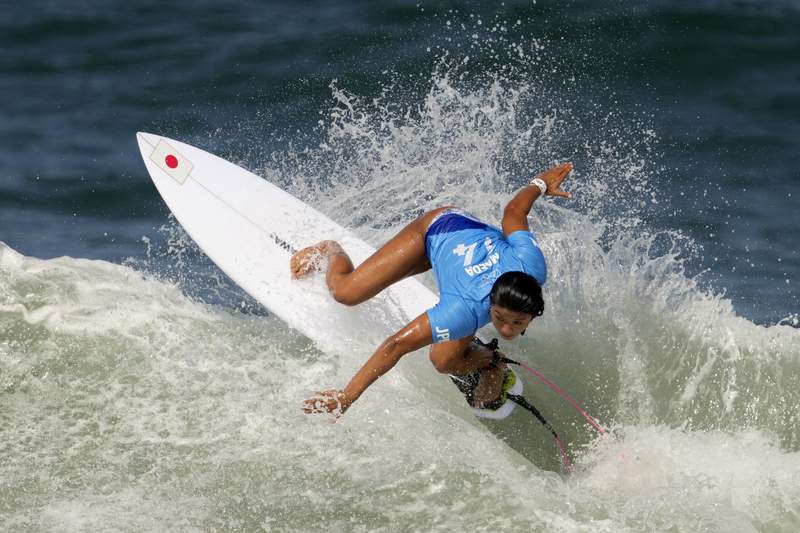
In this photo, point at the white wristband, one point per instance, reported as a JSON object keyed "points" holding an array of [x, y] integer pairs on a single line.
{"points": [[539, 182]]}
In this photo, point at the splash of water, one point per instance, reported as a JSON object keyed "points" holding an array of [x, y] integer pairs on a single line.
{"points": [[125, 402], [650, 344]]}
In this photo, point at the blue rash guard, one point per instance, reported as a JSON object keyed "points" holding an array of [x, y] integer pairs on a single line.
{"points": [[467, 256]]}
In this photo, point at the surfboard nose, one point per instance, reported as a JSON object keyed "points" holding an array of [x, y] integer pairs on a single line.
{"points": [[147, 139], [165, 156]]}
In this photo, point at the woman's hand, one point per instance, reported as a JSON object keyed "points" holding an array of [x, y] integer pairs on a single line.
{"points": [[515, 215], [413, 336], [329, 401], [554, 177]]}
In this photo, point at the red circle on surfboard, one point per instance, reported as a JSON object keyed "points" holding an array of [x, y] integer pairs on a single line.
{"points": [[171, 161]]}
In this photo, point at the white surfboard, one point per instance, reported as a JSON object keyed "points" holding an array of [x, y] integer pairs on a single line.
{"points": [[250, 228]]}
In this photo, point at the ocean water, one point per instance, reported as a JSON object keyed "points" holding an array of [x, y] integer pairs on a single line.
{"points": [[140, 390]]}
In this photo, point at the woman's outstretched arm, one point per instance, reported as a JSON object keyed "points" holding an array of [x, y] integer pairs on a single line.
{"points": [[413, 336], [515, 215]]}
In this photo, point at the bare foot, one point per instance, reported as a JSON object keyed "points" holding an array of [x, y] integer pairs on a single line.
{"points": [[306, 260]]}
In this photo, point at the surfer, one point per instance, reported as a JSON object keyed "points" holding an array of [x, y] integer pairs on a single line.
{"points": [[483, 274]]}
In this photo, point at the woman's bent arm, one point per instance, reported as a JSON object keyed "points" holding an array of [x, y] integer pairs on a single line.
{"points": [[515, 215]]}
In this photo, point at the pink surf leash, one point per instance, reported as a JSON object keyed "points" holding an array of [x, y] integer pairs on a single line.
{"points": [[558, 391], [564, 456], [525, 404]]}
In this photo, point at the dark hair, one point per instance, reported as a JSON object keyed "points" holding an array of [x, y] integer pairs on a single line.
{"points": [[519, 292]]}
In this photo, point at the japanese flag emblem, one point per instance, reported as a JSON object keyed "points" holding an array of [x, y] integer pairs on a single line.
{"points": [[171, 161]]}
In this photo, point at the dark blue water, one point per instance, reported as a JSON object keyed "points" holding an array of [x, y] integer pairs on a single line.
{"points": [[716, 82]]}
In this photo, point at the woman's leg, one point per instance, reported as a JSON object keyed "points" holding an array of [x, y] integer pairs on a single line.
{"points": [[404, 255]]}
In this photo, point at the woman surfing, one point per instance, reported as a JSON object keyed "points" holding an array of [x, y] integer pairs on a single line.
{"points": [[484, 274]]}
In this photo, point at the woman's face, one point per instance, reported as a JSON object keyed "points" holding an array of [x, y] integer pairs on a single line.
{"points": [[509, 323]]}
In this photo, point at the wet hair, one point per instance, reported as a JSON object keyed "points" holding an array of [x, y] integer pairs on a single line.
{"points": [[519, 292]]}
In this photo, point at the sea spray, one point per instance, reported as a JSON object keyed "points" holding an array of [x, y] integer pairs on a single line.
{"points": [[126, 404], [624, 309]]}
